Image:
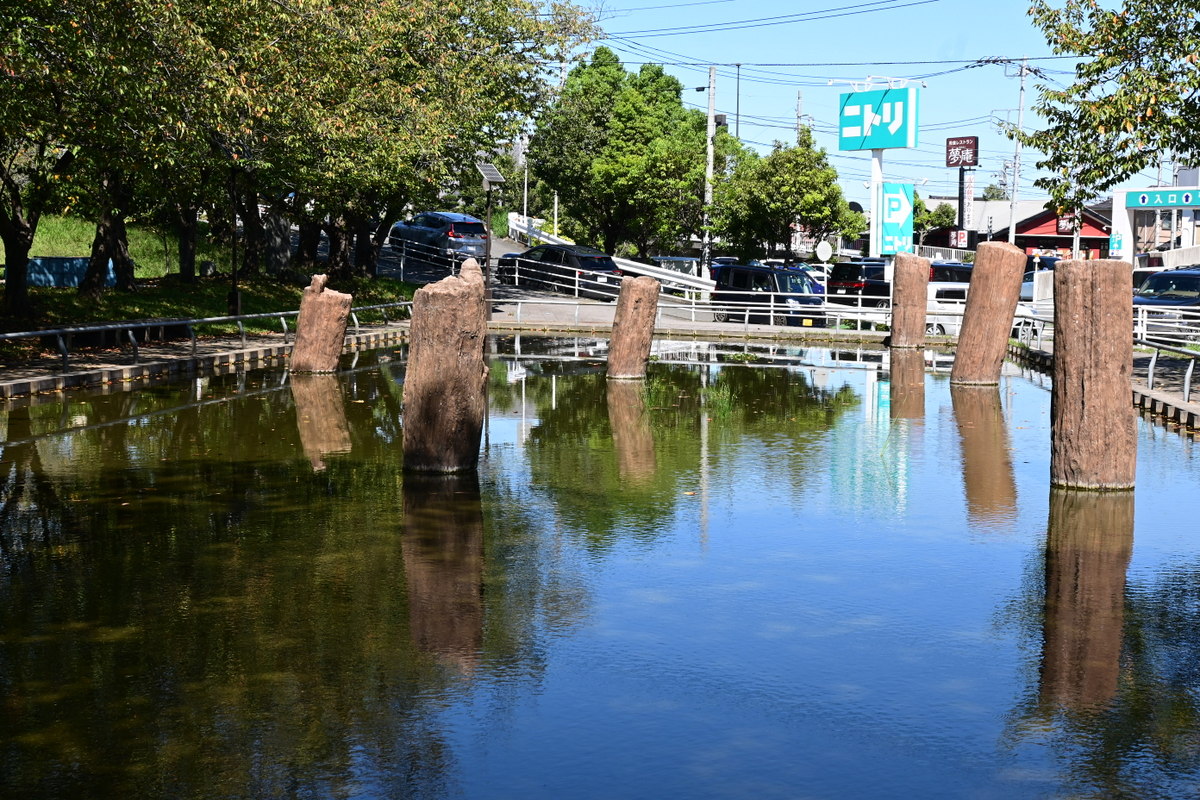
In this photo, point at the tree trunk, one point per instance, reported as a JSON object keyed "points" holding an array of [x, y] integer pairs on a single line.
{"points": [[252, 231], [364, 248], [186, 230], [16, 232], [308, 250], [339, 247]]}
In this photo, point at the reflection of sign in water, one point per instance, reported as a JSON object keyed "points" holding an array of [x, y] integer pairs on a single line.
{"points": [[896, 216], [878, 119]]}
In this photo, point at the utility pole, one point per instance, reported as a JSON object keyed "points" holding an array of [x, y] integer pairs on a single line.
{"points": [[706, 252], [737, 110], [799, 111], [1012, 194]]}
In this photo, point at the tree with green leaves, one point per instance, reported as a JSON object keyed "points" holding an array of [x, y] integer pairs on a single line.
{"points": [[339, 113], [625, 157], [763, 199], [924, 220], [994, 192], [1135, 97]]}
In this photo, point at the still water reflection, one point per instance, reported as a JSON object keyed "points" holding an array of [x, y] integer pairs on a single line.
{"points": [[788, 576]]}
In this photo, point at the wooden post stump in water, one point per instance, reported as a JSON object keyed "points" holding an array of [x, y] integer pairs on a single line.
{"points": [[633, 328], [1093, 442], [444, 385], [988, 314], [320, 328], [910, 297]]}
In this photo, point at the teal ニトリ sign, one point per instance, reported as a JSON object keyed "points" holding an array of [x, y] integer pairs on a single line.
{"points": [[878, 119], [896, 218], [1163, 198]]}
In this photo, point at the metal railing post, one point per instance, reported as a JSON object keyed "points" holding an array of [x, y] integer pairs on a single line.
{"points": [[1150, 370], [283, 322], [192, 335], [62, 349], [242, 331], [133, 343]]}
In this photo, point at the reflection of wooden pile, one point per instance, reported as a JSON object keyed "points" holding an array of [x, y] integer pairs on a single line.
{"points": [[907, 370], [321, 417], [987, 462], [1088, 547], [443, 565], [632, 437]]}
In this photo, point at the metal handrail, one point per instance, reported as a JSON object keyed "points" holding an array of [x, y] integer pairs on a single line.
{"points": [[63, 336], [1157, 347]]}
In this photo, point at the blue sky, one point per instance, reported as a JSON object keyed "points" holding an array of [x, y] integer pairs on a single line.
{"points": [[820, 41]]}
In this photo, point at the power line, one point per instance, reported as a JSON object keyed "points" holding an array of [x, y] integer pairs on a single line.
{"points": [[845, 11]]}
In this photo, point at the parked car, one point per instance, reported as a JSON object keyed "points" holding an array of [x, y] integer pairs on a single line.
{"points": [[859, 283], [441, 236], [767, 295], [944, 308], [1171, 300], [865, 282], [570, 268]]}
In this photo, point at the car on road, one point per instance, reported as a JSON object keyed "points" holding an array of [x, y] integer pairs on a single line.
{"points": [[441, 237], [767, 295], [572, 268]]}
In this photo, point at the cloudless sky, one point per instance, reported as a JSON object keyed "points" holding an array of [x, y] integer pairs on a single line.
{"points": [[785, 48]]}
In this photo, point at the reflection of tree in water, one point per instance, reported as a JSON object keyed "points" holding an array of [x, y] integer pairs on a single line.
{"points": [[572, 455], [1116, 698], [190, 611]]}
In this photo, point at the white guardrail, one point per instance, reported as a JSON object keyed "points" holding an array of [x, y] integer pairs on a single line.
{"points": [[526, 229]]}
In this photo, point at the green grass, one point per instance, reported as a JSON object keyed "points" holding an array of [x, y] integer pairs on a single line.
{"points": [[156, 254]]}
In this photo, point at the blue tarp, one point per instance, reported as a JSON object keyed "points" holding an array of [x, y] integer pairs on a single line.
{"points": [[63, 272]]}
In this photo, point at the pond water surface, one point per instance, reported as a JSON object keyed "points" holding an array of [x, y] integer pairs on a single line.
{"points": [[776, 575]]}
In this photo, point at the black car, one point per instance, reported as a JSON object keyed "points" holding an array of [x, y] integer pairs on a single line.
{"points": [[1169, 302], [572, 268], [766, 295], [859, 283]]}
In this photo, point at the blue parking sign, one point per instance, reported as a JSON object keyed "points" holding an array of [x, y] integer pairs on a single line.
{"points": [[896, 218]]}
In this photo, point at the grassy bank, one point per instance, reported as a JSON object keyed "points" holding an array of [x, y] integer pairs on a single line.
{"points": [[162, 294], [155, 253]]}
